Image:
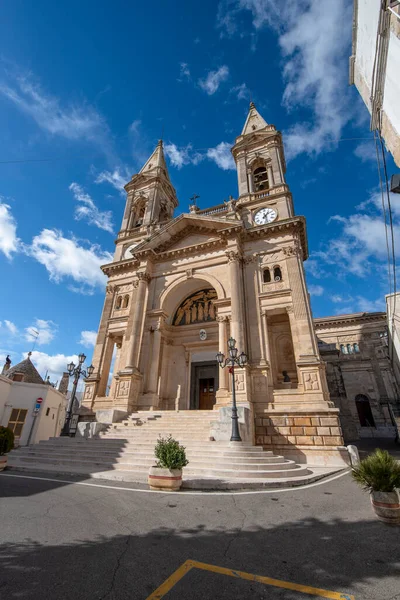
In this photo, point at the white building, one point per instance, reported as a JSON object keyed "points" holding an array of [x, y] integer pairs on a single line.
{"points": [[20, 389], [375, 66]]}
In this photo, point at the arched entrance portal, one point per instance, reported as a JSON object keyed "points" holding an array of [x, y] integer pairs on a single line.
{"points": [[189, 374]]}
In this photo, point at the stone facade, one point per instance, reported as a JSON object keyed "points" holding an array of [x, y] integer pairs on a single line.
{"points": [[360, 374], [178, 288]]}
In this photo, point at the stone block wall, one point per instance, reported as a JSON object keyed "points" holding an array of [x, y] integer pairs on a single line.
{"points": [[302, 430]]}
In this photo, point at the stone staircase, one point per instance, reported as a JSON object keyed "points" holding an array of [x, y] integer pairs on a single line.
{"points": [[125, 451]]}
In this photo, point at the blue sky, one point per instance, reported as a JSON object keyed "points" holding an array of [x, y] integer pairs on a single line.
{"points": [[87, 89]]}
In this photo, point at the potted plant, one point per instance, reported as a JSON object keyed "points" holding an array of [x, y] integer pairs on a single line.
{"points": [[379, 473], [166, 475], [6, 444]]}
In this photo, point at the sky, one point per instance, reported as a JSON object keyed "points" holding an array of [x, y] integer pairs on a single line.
{"points": [[88, 88]]}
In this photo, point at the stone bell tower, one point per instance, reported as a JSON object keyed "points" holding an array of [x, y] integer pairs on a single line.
{"points": [[150, 204], [151, 201]]}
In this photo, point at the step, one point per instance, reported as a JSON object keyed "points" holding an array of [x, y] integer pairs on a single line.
{"points": [[189, 481], [89, 467], [149, 460], [196, 456]]}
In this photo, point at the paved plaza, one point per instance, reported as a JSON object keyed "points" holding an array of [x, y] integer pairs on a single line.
{"points": [[63, 538]]}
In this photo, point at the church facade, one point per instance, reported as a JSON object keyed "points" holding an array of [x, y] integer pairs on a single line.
{"points": [[178, 288]]}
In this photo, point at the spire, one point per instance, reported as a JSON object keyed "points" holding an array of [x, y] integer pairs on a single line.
{"points": [[254, 121], [157, 159]]}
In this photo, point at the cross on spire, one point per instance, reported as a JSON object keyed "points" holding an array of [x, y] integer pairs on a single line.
{"points": [[194, 198]]}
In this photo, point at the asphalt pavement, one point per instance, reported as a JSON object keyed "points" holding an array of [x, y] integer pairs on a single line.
{"points": [[64, 539]]}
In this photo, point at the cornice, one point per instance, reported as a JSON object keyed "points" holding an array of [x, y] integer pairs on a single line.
{"points": [[297, 224], [354, 318]]}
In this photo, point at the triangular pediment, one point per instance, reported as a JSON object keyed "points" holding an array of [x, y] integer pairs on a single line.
{"points": [[188, 230], [254, 121]]}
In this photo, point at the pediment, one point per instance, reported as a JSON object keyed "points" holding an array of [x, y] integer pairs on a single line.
{"points": [[189, 230], [192, 239]]}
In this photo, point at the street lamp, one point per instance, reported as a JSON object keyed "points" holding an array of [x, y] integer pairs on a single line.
{"points": [[76, 372], [230, 361]]}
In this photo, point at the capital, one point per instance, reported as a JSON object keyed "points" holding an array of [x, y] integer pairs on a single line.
{"points": [[232, 256], [143, 276]]}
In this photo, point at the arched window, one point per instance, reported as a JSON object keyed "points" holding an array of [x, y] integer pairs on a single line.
{"points": [[260, 179], [277, 274], [356, 348], [364, 411], [343, 349], [266, 276], [125, 302], [349, 349], [118, 303]]}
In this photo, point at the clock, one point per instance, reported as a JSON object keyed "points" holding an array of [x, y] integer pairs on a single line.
{"points": [[128, 251], [264, 216]]}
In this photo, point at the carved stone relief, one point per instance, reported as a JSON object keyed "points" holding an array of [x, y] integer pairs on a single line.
{"points": [[310, 381], [198, 308]]}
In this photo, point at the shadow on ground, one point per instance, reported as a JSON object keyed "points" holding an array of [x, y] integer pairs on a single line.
{"points": [[350, 557]]}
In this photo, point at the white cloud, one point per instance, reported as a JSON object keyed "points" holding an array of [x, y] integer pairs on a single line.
{"points": [[184, 71], [12, 328], [117, 178], [89, 212], [79, 121], [366, 305], [88, 338], [314, 38], [316, 290], [241, 91], [8, 230], [222, 156], [66, 258], [51, 365], [184, 155], [214, 79], [366, 151], [359, 247], [42, 331]]}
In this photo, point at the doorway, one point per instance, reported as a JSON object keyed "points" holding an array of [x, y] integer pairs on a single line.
{"points": [[206, 393], [204, 384], [364, 411]]}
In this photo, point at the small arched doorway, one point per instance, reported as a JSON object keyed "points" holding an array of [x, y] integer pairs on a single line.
{"points": [[364, 411]]}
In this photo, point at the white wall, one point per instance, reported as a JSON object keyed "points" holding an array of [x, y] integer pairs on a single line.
{"points": [[393, 321], [391, 99], [368, 12], [24, 395], [367, 25]]}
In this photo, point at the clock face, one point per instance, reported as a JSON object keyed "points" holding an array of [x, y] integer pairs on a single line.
{"points": [[265, 215], [129, 251]]}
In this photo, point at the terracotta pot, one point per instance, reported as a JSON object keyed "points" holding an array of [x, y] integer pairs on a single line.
{"points": [[3, 462], [386, 506], [167, 480]]}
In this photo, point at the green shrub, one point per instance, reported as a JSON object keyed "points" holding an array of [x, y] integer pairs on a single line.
{"points": [[6, 440], [170, 454], [379, 472]]}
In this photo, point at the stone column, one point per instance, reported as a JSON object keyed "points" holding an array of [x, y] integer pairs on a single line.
{"points": [[250, 181], [267, 353], [223, 347], [155, 360], [270, 176], [105, 366], [138, 316], [237, 323]]}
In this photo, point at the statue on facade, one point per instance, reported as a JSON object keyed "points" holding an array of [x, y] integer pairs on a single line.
{"points": [[6, 365]]}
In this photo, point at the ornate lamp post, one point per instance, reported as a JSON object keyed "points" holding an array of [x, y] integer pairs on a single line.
{"points": [[230, 361], [76, 372]]}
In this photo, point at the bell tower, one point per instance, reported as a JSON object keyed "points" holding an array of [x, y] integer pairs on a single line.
{"points": [[261, 167], [151, 201]]}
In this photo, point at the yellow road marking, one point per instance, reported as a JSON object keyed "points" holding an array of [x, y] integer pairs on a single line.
{"points": [[193, 564]]}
